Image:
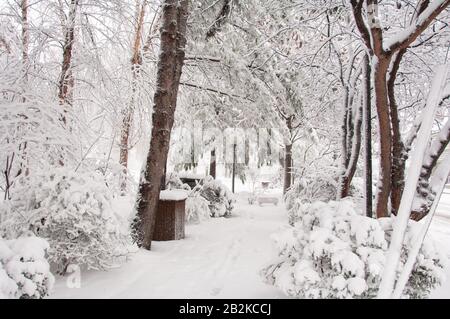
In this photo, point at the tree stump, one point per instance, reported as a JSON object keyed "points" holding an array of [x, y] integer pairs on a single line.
{"points": [[170, 219]]}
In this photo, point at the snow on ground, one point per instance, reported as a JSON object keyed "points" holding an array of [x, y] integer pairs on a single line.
{"points": [[220, 258]]}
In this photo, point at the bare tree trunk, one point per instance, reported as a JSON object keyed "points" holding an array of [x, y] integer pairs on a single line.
{"points": [[213, 164], [136, 64], [347, 177], [372, 36], [384, 122], [233, 176], [367, 114], [23, 165], [398, 148], [288, 157], [25, 37], [424, 189], [221, 19], [170, 64], [66, 80], [287, 168]]}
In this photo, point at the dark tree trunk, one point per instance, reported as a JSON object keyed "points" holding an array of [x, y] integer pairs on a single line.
{"points": [[385, 136], [372, 35], [66, 80], [367, 114], [287, 168], [136, 64], [25, 36], [398, 148], [213, 164], [233, 177], [288, 161], [346, 179], [170, 64], [424, 189]]}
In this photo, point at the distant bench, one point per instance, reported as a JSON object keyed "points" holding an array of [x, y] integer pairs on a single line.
{"points": [[192, 182], [267, 200]]}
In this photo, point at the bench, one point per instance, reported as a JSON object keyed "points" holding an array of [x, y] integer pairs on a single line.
{"points": [[267, 200]]}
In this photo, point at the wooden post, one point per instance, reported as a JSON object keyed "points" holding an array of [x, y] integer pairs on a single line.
{"points": [[170, 220]]}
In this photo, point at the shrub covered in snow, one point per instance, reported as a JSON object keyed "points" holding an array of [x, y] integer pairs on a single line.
{"points": [[118, 180], [197, 208], [173, 181], [317, 188], [24, 270], [334, 252], [219, 197], [73, 211], [210, 198]]}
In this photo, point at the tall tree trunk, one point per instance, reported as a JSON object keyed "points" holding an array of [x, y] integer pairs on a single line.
{"points": [[233, 176], [213, 164], [347, 177], [424, 189], [23, 165], [25, 37], [136, 64], [170, 64], [288, 156], [385, 134], [287, 168], [367, 114], [398, 148], [66, 81]]}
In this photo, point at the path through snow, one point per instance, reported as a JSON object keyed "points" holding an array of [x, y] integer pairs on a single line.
{"points": [[219, 258]]}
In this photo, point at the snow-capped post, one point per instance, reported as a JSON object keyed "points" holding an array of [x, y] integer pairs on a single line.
{"points": [[404, 213], [170, 216], [170, 65]]}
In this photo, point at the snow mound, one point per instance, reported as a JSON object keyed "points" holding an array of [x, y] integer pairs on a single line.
{"points": [[73, 211], [24, 270], [332, 251], [173, 195]]}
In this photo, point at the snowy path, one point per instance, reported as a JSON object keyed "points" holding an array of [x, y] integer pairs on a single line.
{"points": [[220, 258]]}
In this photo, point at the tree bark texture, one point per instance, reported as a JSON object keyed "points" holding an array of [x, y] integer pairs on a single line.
{"points": [[170, 64]]}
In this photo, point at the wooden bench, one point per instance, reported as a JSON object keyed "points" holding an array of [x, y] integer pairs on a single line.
{"points": [[267, 200]]}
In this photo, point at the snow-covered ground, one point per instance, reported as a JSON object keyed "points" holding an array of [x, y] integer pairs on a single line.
{"points": [[440, 230], [220, 258]]}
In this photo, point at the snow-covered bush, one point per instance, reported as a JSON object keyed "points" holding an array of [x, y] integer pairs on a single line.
{"points": [[210, 198], [24, 270], [197, 208], [219, 197], [118, 179], [173, 181], [334, 252], [318, 188], [74, 212]]}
